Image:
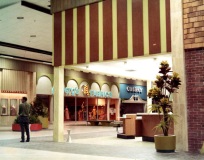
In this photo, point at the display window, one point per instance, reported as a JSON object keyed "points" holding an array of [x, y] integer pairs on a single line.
{"points": [[4, 107], [13, 107], [84, 109]]}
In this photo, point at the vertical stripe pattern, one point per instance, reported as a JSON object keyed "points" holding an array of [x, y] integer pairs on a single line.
{"points": [[122, 29], [154, 26], [63, 38], [69, 37], [168, 26], [100, 30], [137, 28], [145, 27], [110, 30], [75, 36], [87, 32], [94, 34], [107, 30], [57, 39], [81, 35], [163, 25], [129, 29]]}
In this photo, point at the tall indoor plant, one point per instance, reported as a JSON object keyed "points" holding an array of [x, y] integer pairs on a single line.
{"points": [[39, 110], [166, 84]]}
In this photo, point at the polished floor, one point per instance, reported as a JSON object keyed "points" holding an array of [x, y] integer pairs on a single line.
{"points": [[86, 143]]}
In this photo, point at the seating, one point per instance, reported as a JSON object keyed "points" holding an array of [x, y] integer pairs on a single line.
{"points": [[117, 124], [103, 122]]}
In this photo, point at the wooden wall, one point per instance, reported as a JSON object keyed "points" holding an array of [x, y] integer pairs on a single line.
{"points": [[111, 30]]}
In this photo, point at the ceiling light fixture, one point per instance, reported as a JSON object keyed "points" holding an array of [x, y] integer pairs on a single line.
{"points": [[20, 17], [130, 70]]}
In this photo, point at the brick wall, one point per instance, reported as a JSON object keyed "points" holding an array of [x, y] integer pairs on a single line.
{"points": [[193, 19], [195, 97]]}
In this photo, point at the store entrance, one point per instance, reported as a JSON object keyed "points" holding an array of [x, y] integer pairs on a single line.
{"points": [[84, 109]]}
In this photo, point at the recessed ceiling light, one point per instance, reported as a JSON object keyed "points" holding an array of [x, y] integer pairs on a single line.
{"points": [[20, 17], [130, 70]]}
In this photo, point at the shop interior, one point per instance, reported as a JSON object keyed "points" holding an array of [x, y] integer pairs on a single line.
{"points": [[84, 109]]}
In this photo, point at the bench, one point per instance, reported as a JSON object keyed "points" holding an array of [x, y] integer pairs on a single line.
{"points": [[103, 122], [117, 124]]}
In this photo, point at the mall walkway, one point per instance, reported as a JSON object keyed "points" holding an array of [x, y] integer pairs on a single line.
{"points": [[88, 143]]}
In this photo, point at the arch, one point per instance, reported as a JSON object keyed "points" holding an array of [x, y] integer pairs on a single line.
{"points": [[95, 86], [44, 86], [72, 84], [115, 91], [105, 88]]}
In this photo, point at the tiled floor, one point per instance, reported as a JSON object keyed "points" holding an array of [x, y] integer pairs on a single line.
{"points": [[87, 143]]}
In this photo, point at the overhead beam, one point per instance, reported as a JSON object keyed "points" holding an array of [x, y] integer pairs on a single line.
{"points": [[23, 58], [7, 3], [61, 5], [35, 7], [10, 45]]}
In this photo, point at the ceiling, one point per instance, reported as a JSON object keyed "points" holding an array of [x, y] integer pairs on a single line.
{"points": [[23, 26], [26, 34]]}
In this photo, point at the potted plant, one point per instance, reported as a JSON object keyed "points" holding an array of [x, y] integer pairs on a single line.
{"points": [[38, 109], [166, 84], [35, 124]]}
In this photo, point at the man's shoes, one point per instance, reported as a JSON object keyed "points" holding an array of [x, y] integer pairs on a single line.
{"points": [[28, 140], [22, 141]]}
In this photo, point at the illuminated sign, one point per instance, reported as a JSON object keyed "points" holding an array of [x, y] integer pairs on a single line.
{"points": [[72, 91], [134, 89], [86, 92], [92, 93], [100, 94], [129, 90]]}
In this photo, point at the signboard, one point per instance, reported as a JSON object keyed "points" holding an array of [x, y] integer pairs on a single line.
{"points": [[86, 92], [129, 90]]}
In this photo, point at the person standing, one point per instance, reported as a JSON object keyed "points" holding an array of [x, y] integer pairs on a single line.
{"points": [[24, 110]]}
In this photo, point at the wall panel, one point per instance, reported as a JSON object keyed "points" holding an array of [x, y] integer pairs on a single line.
{"points": [[81, 35]]}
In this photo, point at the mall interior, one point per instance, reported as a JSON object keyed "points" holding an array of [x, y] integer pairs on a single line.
{"points": [[92, 63]]}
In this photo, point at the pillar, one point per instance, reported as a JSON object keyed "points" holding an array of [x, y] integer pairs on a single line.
{"points": [[31, 88], [58, 135], [149, 100], [179, 99], [108, 109]]}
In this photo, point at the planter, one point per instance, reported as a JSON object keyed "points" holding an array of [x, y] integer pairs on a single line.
{"points": [[33, 127], [44, 121], [16, 127], [36, 127], [165, 144]]}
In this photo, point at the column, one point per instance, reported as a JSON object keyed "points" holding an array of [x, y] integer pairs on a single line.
{"points": [[51, 109], [149, 100], [58, 135], [179, 99], [108, 109]]}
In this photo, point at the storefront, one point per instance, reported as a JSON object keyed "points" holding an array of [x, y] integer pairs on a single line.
{"points": [[86, 101], [134, 98]]}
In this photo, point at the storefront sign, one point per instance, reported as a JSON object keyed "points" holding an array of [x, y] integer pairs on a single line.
{"points": [[127, 90], [86, 92], [92, 93], [100, 94], [72, 91]]}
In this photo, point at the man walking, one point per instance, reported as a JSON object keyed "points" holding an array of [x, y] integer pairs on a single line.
{"points": [[24, 110]]}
